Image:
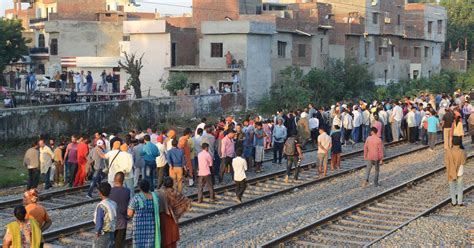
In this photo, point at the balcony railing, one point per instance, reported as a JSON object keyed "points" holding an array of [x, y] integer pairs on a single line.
{"points": [[38, 20], [39, 50]]}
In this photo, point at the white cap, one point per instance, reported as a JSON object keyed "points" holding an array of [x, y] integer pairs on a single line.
{"points": [[100, 143], [104, 134]]}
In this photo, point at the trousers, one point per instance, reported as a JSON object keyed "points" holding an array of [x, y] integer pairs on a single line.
{"points": [[203, 181], [456, 190], [33, 178], [240, 187], [376, 164]]}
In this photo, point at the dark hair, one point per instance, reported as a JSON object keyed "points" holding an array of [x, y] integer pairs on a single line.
{"points": [[258, 124], [204, 145], [187, 131], [119, 177], [337, 127], [230, 131], [239, 152], [20, 213], [374, 129], [174, 142], [457, 142], [199, 131], [203, 119], [168, 182], [104, 188], [147, 137], [144, 186]]}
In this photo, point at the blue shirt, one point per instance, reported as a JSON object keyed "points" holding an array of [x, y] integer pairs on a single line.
{"points": [[433, 123], [279, 133], [259, 141], [175, 157], [150, 152]]}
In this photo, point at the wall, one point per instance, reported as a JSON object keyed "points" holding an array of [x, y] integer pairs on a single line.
{"points": [[25, 123]]}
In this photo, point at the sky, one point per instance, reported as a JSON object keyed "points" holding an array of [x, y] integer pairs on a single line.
{"points": [[162, 6]]}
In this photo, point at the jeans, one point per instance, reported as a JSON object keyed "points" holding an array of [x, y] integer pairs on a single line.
{"points": [[89, 87], [412, 134], [371, 163], [47, 179], [150, 169], [456, 189], [137, 172], [128, 183], [388, 133], [120, 236], [195, 169], [396, 130], [78, 87], [72, 173], [240, 187], [432, 140], [290, 160], [365, 132], [160, 173], [33, 178], [277, 148], [63, 85], [355, 134], [96, 179], [104, 241], [227, 161], [203, 181]]}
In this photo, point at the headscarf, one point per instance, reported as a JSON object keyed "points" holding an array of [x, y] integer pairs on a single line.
{"points": [[31, 195]]}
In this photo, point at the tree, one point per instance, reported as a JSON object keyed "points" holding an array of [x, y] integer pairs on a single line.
{"points": [[175, 83], [12, 44], [133, 66], [460, 23]]}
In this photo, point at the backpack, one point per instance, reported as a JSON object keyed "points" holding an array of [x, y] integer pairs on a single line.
{"points": [[290, 147]]}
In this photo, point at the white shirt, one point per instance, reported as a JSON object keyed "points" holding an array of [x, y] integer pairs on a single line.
{"points": [[366, 117], [397, 113], [161, 160], [201, 126], [325, 141], [411, 120], [313, 123], [197, 144], [123, 162], [153, 138], [357, 118], [240, 166], [46, 158], [347, 121], [383, 117]]}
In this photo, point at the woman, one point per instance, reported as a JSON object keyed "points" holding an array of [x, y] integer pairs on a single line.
{"points": [[144, 209], [457, 131], [172, 206], [23, 232], [336, 148]]}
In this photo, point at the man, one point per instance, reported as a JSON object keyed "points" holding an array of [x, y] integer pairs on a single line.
{"points": [[249, 147], [105, 218], [161, 162], [138, 162], [311, 111], [227, 153], [365, 122], [46, 162], [32, 163], [204, 173], [196, 150], [433, 124], [259, 146], [177, 162], [201, 125], [71, 155], [357, 121], [59, 164], [149, 153], [324, 146], [447, 123], [77, 81], [294, 155], [454, 160], [411, 123], [35, 210], [466, 111], [396, 119], [239, 165], [98, 166], [184, 143], [303, 130], [63, 80], [110, 84], [103, 76], [373, 153], [82, 153], [314, 127], [121, 196], [278, 138], [210, 139]]}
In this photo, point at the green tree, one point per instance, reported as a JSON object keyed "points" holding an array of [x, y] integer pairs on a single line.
{"points": [[12, 43], [460, 23], [133, 66], [175, 83]]}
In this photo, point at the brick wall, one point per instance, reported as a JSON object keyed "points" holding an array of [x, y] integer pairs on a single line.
{"points": [[26, 123], [80, 10]]}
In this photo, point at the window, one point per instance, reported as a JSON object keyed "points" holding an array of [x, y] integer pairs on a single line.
{"points": [[54, 47], [399, 20], [126, 38], [405, 52], [216, 50], [173, 54], [375, 18], [380, 50], [281, 49], [415, 74], [385, 72], [393, 51], [41, 42], [416, 51], [321, 45], [366, 49], [427, 50], [430, 27], [440, 26], [301, 50]]}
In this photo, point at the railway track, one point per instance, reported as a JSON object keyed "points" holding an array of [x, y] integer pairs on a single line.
{"points": [[367, 222], [259, 188]]}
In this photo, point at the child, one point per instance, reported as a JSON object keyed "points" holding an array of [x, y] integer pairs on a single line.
{"points": [[105, 218], [239, 164]]}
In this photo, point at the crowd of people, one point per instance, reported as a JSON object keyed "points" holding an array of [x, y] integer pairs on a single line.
{"points": [[161, 164]]}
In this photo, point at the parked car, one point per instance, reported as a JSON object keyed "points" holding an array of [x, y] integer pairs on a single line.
{"points": [[45, 82]]}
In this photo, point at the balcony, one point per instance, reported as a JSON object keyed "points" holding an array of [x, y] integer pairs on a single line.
{"points": [[38, 23], [39, 51]]}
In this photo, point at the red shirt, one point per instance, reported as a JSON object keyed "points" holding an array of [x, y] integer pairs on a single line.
{"points": [[373, 148]]}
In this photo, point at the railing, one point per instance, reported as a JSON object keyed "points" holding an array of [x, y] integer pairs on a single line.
{"points": [[39, 50], [38, 20]]}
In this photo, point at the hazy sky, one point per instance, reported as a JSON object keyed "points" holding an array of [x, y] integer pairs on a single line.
{"points": [[146, 5]]}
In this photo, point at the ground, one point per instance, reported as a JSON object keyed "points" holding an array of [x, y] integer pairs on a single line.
{"points": [[12, 171]]}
